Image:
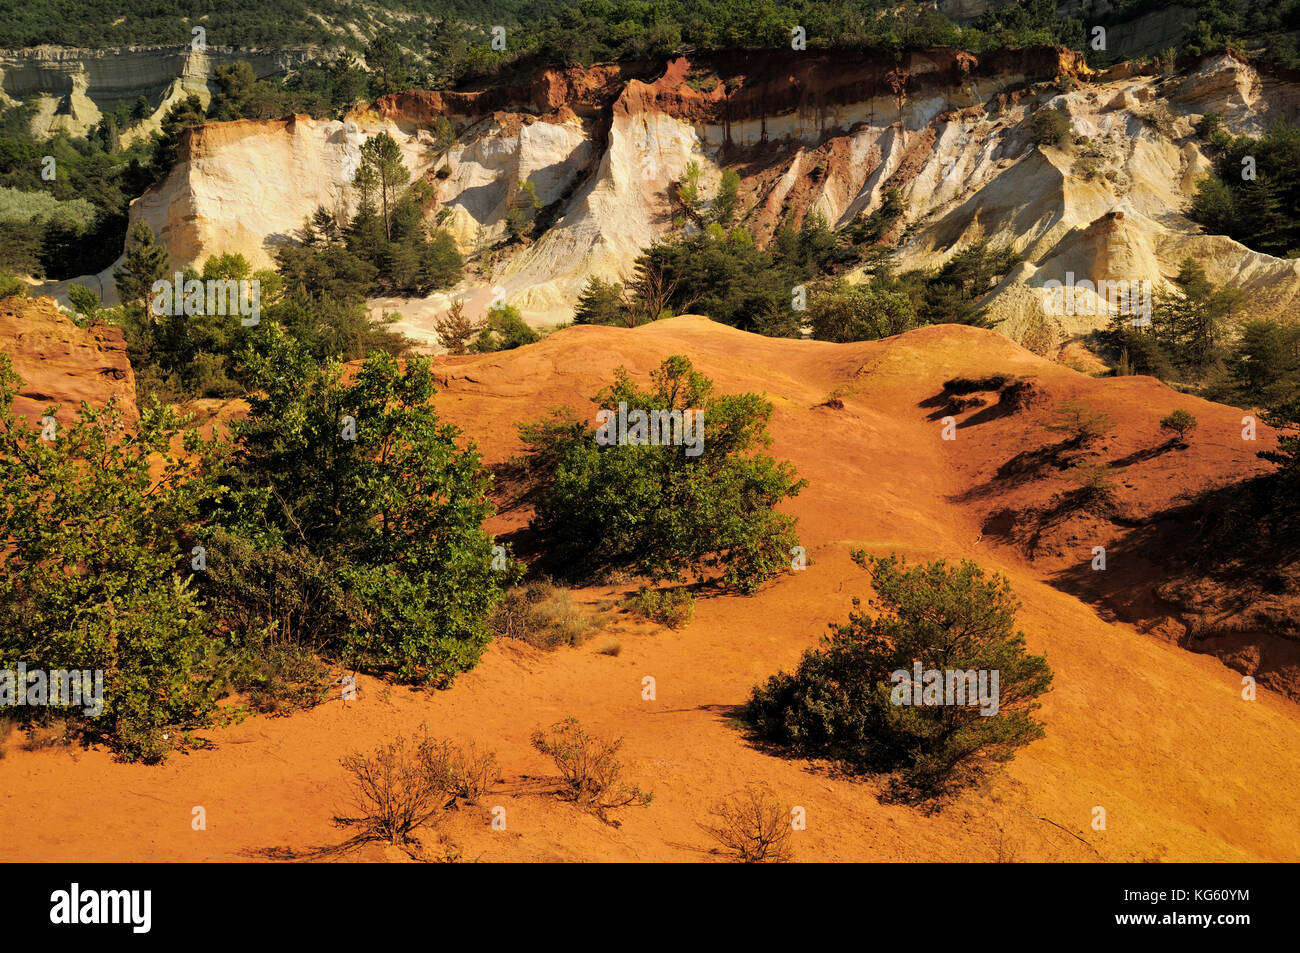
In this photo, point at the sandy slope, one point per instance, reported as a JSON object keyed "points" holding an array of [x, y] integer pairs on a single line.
{"points": [[1159, 737]]}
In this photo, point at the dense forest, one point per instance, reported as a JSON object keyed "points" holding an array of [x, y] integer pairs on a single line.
{"points": [[580, 31], [244, 23]]}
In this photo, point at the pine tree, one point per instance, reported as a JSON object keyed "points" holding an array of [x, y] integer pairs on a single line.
{"points": [[145, 262], [455, 330], [384, 174]]}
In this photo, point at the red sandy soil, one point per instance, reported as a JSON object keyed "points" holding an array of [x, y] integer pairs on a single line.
{"points": [[1160, 737]]}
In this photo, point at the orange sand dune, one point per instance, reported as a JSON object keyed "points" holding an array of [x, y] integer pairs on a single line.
{"points": [[1159, 737]]}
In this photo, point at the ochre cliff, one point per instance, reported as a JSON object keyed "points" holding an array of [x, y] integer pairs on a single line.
{"points": [[60, 363]]}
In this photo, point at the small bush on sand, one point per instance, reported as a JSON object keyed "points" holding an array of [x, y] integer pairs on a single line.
{"points": [[51, 731], [1097, 492], [854, 699], [7, 724], [542, 615], [1051, 127], [1080, 423], [1180, 423], [592, 773], [974, 385], [278, 678], [752, 827], [399, 787], [834, 400], [670, 607], [471, 772]]}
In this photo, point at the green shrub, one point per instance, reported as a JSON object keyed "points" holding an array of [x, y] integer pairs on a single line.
{"points": [[1180, 423], [18, 207], [844, 312], [1097, 492], [603, 302], [845, 699], [93, 575], [1051, 127], [361, 507], [1208, 125], [1080, 423], [503, 330], [84, 301], [278, 678], [670, 607], [1086, 168], [11, 287], [1285, 489], [873, 227], [657, 511]]}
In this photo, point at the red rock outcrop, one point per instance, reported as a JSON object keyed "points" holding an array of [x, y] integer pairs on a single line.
{"points": [[61, 363]]}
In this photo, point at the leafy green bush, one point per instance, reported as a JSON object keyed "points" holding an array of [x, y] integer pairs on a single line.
{"points": [[504, 330], [1097, 492], [84, 301], [1180, 423], [873, 227], [657, 510], [602, 302], [93, 574], [357, 502], [11, 287], [21, 207], [844, 312], [849, 699], [1080, 423], [278, 678]]}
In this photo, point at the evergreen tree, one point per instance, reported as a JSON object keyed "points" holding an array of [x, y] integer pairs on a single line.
{"points": [[145, 262], [383, 175], [601, 302]]}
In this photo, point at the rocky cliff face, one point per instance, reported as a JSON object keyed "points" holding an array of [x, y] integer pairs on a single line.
{"points": [[808, 133], [61, 363], [247, 185], [74, 88]]}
